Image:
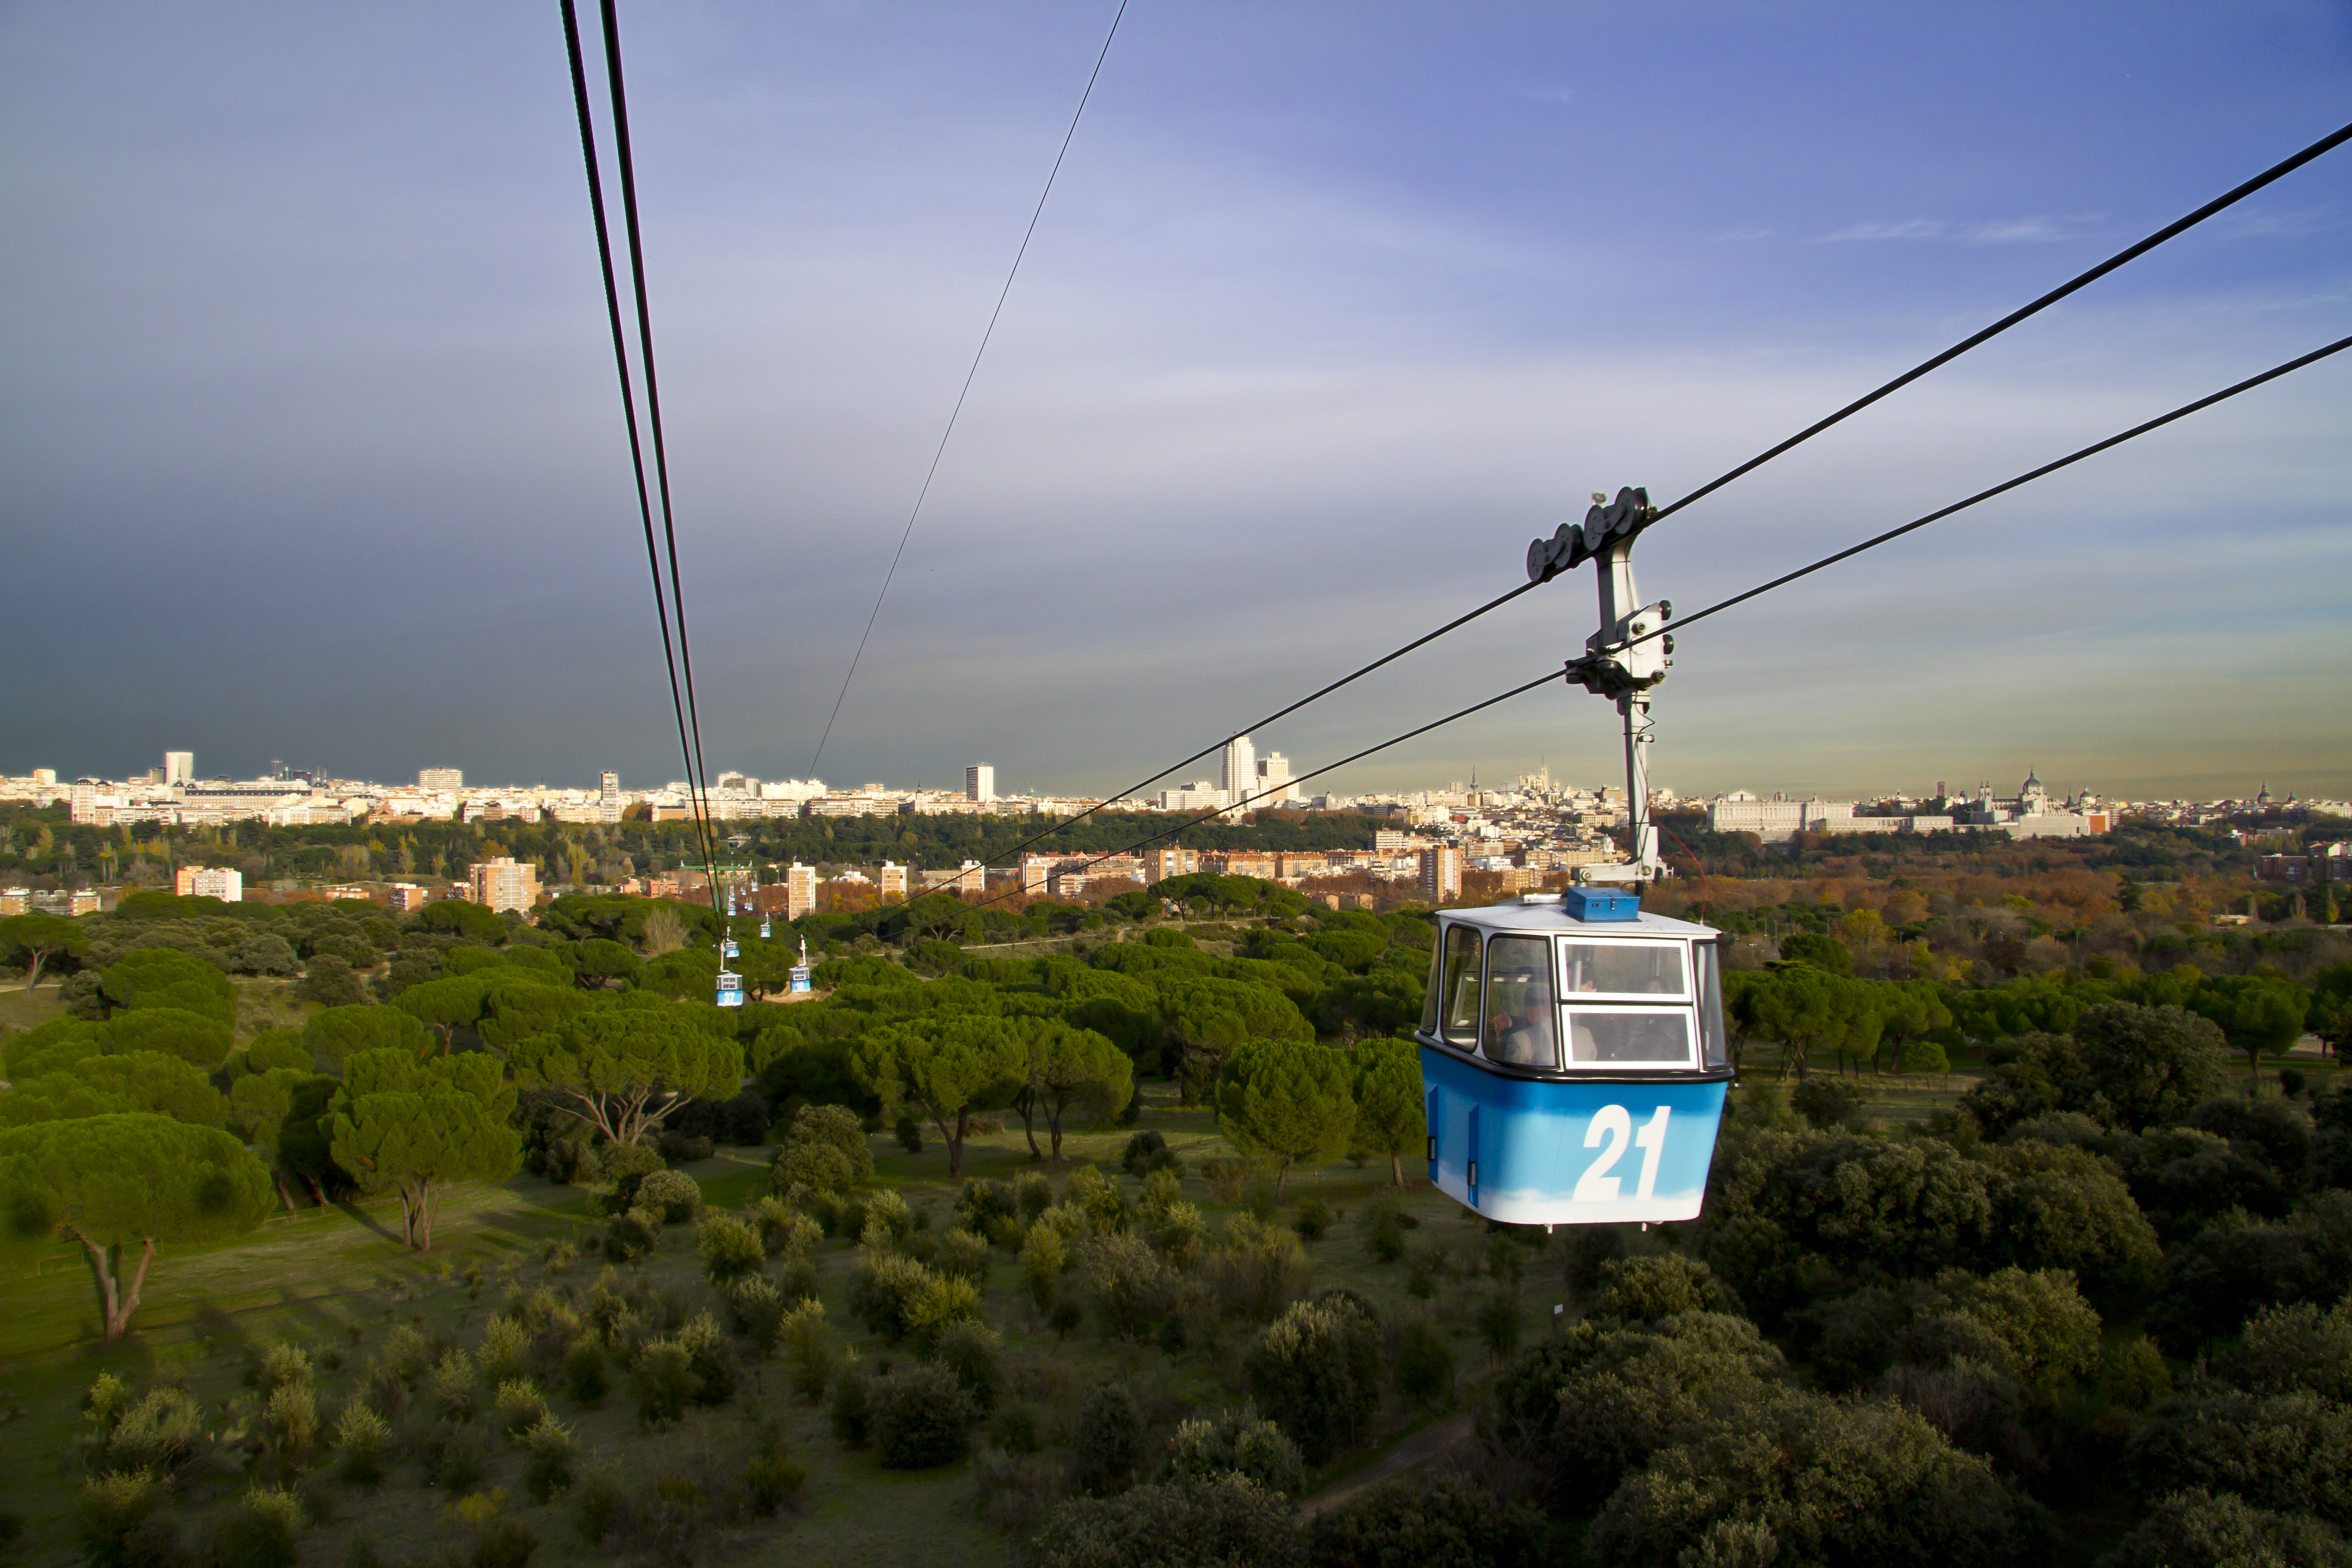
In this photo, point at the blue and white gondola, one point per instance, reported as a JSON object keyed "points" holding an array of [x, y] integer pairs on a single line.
{"points": [[1573, 1060]]}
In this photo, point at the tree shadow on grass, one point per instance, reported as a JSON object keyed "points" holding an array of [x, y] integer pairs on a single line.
{"points": [[367, 1221]]}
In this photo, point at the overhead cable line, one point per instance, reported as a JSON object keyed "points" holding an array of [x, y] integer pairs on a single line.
{"points": [[690, 733], [1679, 623], [2276, 172], [2180, 225], [954, 413]]}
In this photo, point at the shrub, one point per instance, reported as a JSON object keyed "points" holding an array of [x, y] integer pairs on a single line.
{"points": [[1238, 1442], [629, 1236], [909, 1134], [770, 1480], [712, 1356], [1228, 1521], [261, 1531], [664, 1380], [887, 1217], [585, 1377], [2197, 1529], [156, 1434], [1826, 1102], [785, 1232], [1017, 1487], [115, 1525], [1430, 1519], [938, 1305], [549, 1444], [362, 1436], [1644, 1289], [921, 1417], [730, 1249], [1384, 1229], [755, 1308], [1498, 1321], [1130, 1285], [455, 1461], [1034, 1194], [1109, 1441], [851, 1411], [521, 1407], [673, 1194], [811, 1355], [1424, 1360], [1044, 1256], [290, 1419], [978, 1205], [1314, 1219], [504, 1354], [883, 1288], [280, 1364], [599, 1508], [1316, 1369], [627, 1167], [1179, 1233], [1148, 1152], [1259, 1270], [684, 1148], [825, 1150], [974, 1353], [450, 1384], [962, 1254]]}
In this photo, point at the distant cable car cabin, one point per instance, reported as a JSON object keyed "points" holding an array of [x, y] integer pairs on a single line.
{"points": [[731, 989], [1573, 1060]]}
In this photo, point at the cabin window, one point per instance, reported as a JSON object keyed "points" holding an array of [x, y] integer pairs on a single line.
{"points": [[1714, 1050], [1522, 1020], [1460, 986], [1622, 969], [1608, 1036]]}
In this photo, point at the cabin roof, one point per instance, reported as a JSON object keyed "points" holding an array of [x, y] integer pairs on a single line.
{"points": [[1551, 920]]}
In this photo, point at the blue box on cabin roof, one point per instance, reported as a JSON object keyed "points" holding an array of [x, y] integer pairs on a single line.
{"points": [[1600, 904]]}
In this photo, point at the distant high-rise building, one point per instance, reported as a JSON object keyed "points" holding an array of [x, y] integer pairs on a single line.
{"points": [[210, 882], [1239, 776], [1272, 786], [893, 882], [800, 890], [502, 883], [179, 767], [609, 787], [441, 778], [1441, 873], [45, 776], [980, 782]]}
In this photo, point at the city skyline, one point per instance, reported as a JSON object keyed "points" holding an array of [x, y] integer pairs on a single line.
{"points": [[1316, 334]]}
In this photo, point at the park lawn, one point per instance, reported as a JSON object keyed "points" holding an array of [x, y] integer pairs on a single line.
{"points": [[20, 1009], [336, 1280]]}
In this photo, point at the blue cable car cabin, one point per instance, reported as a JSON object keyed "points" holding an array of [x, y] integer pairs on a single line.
{"points": [[1573, 1060]]}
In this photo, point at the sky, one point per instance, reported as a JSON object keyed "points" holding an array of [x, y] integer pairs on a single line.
{"points": [[312, 446]]}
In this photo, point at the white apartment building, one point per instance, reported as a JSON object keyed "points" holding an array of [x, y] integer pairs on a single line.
{"points": [[503, 883], [980, 782], [1238, 774], [893, 882], [210, 882], [441, 778], [1272, 786], [800, 890], [179, 767], [1441, 873]]}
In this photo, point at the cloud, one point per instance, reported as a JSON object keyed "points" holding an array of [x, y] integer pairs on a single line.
{"points": [[2000, 231]]}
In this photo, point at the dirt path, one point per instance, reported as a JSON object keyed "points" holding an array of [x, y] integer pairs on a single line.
{"points": [[1431, 1442]]}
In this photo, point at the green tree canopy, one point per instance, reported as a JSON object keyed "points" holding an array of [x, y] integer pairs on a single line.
{"points": [[128, 1181], [37, 939], [457, 917], [598, 962], [104, 1086], [51, 1048], [2152, 1064], [1073, 1069], [166, 977], [340, 1032], [2259, 1014], [172, 1031], [625, 1069], [946, 1068], [415, 1127], [1286, 1103], [445, 1006], [1391, 1115], [279, 1112]]}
